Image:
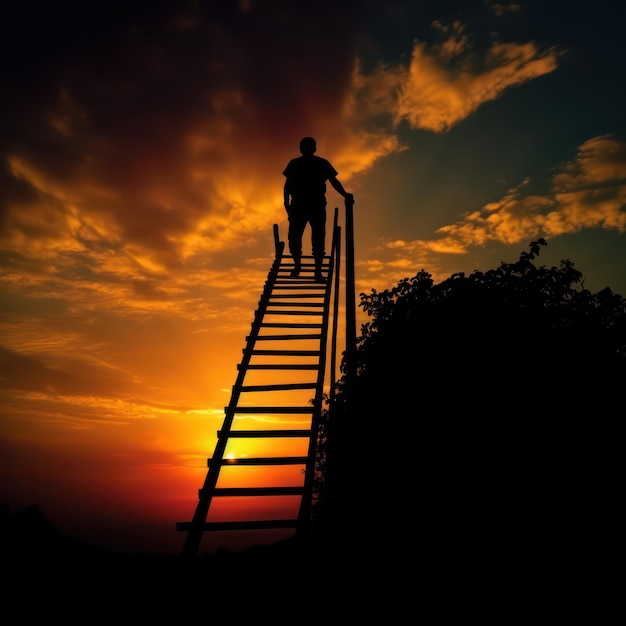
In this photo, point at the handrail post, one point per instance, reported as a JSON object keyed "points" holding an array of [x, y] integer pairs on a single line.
{"points": [[350, 286], [276, 241]]}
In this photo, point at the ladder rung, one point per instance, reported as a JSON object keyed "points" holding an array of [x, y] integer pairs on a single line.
{"points": [[306, 274], [255, 434], [284, 337], [291, 325], [307, 283], [258, 491], [285, 269], [304, 267], [271, 460], [243, 525], [279, 387], [280, 366], [284, 352], [312, 305], [286, 257], [269, 409], [293, 312], [293, 296], [290, 286]]}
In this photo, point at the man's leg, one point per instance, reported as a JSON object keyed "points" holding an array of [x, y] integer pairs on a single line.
{"points": [[297, 224], [318, 241]]}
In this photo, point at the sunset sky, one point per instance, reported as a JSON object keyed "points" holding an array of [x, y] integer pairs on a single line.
{"points": [[141, 158]]}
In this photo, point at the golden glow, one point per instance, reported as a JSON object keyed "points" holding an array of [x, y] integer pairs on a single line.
{"points": [[136, 241]]}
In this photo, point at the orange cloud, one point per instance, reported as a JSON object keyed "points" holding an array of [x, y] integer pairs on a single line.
{"points": [[446, 82], [589, 192], [443, 88]]}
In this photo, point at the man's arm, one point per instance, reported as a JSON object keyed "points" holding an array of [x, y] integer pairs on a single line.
{"points": [[339, 188]]}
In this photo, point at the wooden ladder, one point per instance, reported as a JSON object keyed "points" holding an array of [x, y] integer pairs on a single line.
{"points": [[284, 358]]}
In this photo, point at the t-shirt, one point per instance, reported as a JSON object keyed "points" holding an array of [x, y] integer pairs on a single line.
{"points": [[307, 176]]}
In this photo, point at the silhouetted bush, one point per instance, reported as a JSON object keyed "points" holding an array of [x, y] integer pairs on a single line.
{"points": [[479, 417]]}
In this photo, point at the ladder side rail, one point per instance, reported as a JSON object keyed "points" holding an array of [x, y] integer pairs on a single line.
{"points": [[304, 515], [278, 245], [333, 350], [350, 287], [205, 496]]}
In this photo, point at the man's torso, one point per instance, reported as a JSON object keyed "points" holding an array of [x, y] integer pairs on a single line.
{"points": [[307, 176]]}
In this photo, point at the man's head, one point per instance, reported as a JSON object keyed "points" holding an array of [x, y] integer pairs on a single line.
{"points": [[308, 146]]}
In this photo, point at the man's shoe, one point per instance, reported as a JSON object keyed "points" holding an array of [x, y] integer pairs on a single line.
{"points": [[297, 266], [319, 278]]}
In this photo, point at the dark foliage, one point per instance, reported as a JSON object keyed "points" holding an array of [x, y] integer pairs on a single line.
{"points": [[513, 326], [479, 419]]}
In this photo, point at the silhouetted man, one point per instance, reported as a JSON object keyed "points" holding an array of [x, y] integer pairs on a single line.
{"points": [[305, 202]]}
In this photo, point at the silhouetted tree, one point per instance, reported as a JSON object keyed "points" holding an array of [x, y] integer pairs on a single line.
{"points": [[481, 418]]}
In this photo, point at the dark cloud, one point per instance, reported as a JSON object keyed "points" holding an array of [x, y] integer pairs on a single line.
{"points": [[128, 104], [142, 72], [26, 373]]}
